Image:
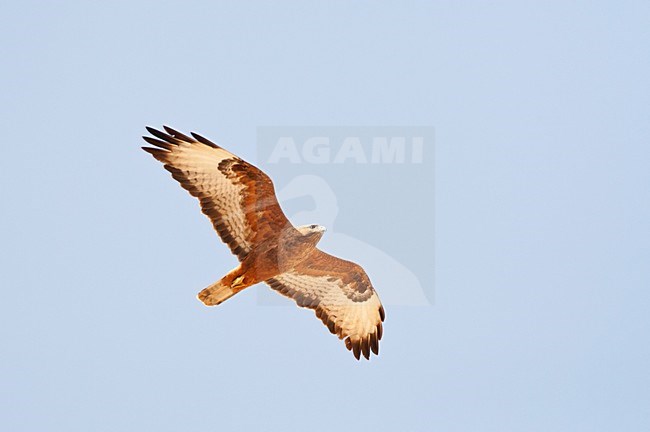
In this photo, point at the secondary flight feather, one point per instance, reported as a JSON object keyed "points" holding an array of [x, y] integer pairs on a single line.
{"points": [[239, 199]]}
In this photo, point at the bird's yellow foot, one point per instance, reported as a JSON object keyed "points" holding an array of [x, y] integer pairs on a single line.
{"points": [[237, 282]]}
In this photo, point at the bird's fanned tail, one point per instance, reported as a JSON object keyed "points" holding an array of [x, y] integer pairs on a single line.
{"points": [[215, 294]]}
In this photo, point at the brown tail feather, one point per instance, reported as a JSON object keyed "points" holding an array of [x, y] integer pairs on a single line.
{"points": [[216, 294]]}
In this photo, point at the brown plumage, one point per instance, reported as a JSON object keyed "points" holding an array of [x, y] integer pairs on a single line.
{"points": [[239, 199]]}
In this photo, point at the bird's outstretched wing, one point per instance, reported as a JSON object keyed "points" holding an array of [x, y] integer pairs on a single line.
{"points": [[238, 197], [341, 294]]}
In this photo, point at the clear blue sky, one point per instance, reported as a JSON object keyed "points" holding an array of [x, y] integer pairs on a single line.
{"points": [[542, 215]]}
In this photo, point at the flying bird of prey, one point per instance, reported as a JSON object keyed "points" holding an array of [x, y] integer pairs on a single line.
{"points": [[240, 201]]}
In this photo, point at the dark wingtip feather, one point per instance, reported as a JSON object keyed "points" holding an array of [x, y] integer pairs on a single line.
{"points": [[153, 131], [157, 143], [177, 134], [374, 343], [382, 314], [203, 140], [365, 347], [163, 135], [356, 349]]}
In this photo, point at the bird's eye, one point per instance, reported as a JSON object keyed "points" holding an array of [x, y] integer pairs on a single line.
{"points": [[313, 226]]}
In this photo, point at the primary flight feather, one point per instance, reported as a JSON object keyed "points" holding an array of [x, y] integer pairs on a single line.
{"points": [[239, 199]]}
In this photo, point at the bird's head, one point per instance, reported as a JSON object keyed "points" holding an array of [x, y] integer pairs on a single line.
{"points": [[312, 231]]}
